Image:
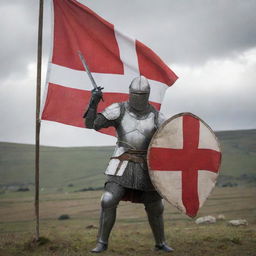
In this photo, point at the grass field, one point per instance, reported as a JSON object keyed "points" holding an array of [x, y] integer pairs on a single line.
{"points": [[71, 169], [131, 234], [59, 167], [239, 152], [64, 171]]}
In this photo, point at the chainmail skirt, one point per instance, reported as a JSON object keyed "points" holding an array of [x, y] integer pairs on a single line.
{"points": [[135, 177]]}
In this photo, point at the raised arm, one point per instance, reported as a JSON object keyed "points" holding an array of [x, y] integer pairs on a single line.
{"points": [[109, 117]]}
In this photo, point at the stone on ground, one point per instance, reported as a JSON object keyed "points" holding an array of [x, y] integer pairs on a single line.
{"points": [[221, 217], [240, 222], [205, 220]]}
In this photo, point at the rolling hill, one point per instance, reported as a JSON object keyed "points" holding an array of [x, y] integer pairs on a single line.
{"points": [[83, 167]]}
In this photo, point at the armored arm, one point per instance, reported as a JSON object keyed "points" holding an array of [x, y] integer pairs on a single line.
{"points": [[109, 117]]}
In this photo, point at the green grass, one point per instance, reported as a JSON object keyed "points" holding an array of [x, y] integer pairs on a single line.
{"points": [[59, 167], [83, 167], [131, 234], [239, 152]]}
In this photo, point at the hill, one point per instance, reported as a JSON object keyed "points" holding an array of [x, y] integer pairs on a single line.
{"points": [[239, 151], [59, 167], [83, 167]]}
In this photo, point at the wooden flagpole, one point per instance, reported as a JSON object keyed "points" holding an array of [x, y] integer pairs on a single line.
{"points": [[38, 103]]}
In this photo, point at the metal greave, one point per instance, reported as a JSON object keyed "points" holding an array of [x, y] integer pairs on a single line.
{"points": [[109, 203], [155, 217], [107, 221]]}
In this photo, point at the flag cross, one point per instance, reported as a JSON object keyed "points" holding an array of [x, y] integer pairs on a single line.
{"points": [[189, 160]]}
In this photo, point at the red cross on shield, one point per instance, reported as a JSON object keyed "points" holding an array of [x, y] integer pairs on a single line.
{"points": [[184, 159]]}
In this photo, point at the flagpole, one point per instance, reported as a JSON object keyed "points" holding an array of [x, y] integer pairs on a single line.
{"points": [[38, 103]]}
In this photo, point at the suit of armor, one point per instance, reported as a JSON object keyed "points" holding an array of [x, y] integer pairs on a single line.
{"points": [[127, 174]]}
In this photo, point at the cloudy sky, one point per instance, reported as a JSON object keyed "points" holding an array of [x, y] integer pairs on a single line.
{"points": [[211, 46]]}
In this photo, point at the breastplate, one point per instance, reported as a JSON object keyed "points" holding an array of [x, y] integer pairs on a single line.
{"points": [[135, 132]]}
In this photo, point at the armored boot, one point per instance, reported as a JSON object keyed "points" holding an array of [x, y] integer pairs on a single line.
{"points": [[155, 217], [100, 247], [107, 221], [109, 202]]}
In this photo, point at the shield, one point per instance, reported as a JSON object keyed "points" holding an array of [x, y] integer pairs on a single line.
{"points": [[184, 159]]}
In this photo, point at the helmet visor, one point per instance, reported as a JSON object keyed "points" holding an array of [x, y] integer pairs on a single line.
{"points": [[139, 101]]}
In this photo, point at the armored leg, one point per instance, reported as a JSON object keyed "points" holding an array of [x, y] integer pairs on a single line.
{"points": [[155, 217], [109, 202]]}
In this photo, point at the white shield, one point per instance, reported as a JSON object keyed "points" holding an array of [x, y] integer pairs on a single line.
{"points": [[184, 159]]}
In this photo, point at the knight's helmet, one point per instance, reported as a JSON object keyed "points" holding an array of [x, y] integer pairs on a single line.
{"points": [[139, 93]]}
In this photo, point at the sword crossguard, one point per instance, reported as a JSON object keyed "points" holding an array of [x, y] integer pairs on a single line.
{"points": [[98, 88]]}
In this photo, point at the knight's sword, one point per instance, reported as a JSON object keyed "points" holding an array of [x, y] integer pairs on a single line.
{"points": [[88, 71]]}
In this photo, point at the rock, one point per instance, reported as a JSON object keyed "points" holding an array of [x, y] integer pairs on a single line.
{"points": [[221, 217], [206, 219], [240, 222], [23, 189], [64, 217], [90, 227]]}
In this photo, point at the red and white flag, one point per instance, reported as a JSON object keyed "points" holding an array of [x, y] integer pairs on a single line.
{"points": [[114, 60]]}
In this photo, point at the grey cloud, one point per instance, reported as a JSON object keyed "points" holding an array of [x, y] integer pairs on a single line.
{"points": [[18, 36], [179, 31], [223, 102], [187, 32], [183, 33], [221, 112], [205, 30], [17, 111]]}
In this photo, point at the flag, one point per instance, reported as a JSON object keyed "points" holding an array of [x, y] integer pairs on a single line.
{"points": [[114, 59]]}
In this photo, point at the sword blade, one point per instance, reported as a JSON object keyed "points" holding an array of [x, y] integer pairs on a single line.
{"points": [[87, 70]]}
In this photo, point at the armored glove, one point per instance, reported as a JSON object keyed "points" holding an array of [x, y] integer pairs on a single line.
{"points": [[90, 113], [96, 96]]}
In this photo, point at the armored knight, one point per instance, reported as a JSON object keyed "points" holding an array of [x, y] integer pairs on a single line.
{"points": [[127, 175]]}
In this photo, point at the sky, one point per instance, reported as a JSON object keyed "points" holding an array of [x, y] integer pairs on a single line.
{"points": [[210, 45]]}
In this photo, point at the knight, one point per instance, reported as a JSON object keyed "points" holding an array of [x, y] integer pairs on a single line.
{"points": [[127, 174]]}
